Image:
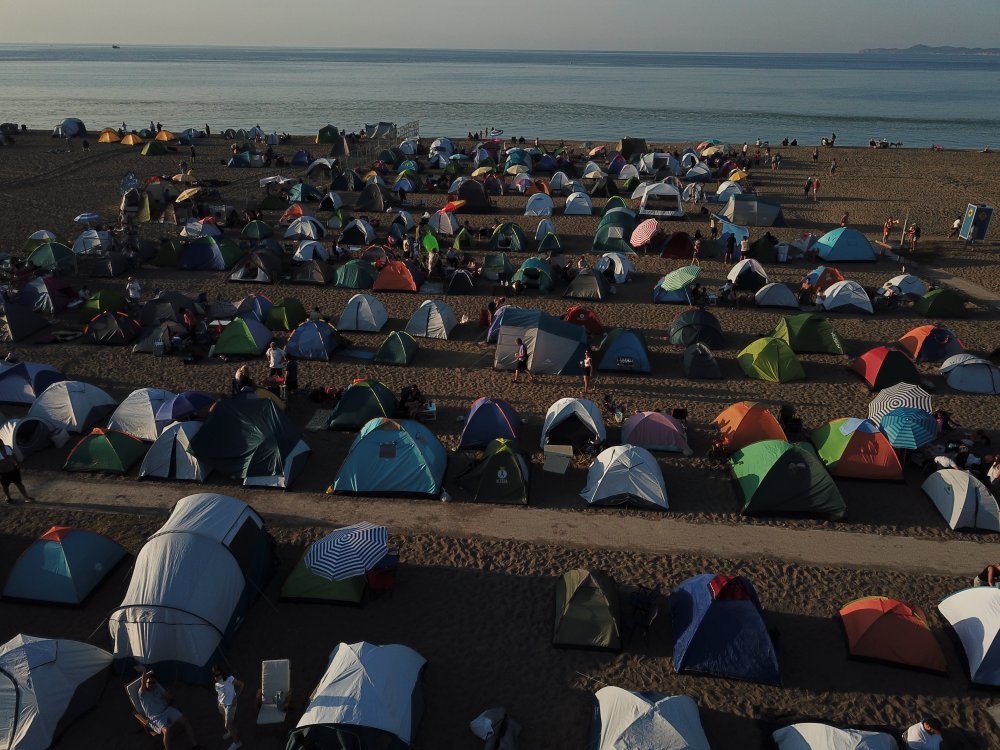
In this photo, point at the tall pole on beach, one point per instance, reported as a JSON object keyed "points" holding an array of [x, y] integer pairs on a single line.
{"points": [[902, 236]]}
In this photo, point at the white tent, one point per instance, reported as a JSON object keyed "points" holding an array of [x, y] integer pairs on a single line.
{"points": [[368, 687], [520, 183], [544, 227], [456, 185], [615, 265], [324, 162], [578, 204], [358, 232], [73, 405], [21, 383], [974, 614], [661, 200], [92, 242], [136, 415], [27, 435], [628, 172], [409, 146], [175, 616], [776, 295], [907, 285], [444, 222], [810, 736], [44, 685], [627, 720], [539, 204], [331, 202], [847, 296], [580, 410], [310, 250], [305, 228], [195, 229], [405, 220], [442, 144], [559, 182], [434, 319], [625, 474], [727, 189], [168, 457], [591, 172], [963, 501], [971, 374], [363, 312]]}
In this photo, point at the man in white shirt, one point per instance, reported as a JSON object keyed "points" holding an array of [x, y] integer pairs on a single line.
{"points": [[924, 735], [163, 717], [276, 359], [133, 291]]}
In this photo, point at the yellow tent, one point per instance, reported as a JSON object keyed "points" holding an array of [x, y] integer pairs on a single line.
{"points": [[165, 135], [108, 136], [131, 140], [738, 175], [481, 171]]}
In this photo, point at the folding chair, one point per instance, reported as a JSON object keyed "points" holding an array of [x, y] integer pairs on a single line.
{"points": [[132, 690], [275, 688]]}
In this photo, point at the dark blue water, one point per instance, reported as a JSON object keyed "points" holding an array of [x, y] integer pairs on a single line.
{"points": [[664, 97]]}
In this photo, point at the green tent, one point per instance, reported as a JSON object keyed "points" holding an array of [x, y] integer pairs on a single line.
{"points": [[807, 332], [430, 243], [302, 585], [779, 478], [941, 303], [154, 148], [614, 202], [256, 230], [398, 348], [587, 611], [54, 257], [363, 401], [105, 300], [496, 265], [328, 134], [243, 337], [772, 360], [550, 243], [355, 274], [106, 450], [463, 240], [33, 244], [499, 475], [535, 272], [509, 236], [286, 314], [169, 253]]}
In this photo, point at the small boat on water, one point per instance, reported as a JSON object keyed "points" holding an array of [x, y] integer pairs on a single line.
{"points": [[115, 46]]}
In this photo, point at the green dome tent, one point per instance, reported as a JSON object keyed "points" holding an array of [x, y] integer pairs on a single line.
{"points": [[779, 478], [696, 327], [355, 274], [302, 585], [509, 236], [495, 266], [588, 613], [168, 253], [243, 337], [398, 348], [772, 360], [106, 450], [105, 300], [535, 272], [499, 475], [806, 333], [54, 257], [941, 303], [286, 314], [328, 134], [363, 401]]}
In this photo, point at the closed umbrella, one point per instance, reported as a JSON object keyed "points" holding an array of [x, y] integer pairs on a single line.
{"points": [[643, 233], [183, 405], [348, 552], [909, 428], [899, 395]]}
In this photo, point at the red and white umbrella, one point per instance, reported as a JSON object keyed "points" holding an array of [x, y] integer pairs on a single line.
{"points": [[643, 233]]}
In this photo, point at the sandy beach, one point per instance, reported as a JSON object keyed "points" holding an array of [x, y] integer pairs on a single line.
{"points": [[479, 608]]}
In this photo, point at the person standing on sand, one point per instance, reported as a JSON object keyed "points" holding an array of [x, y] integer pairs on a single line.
{"points": [[227, 691], [833, 166], [10, 473], [521, 362], [845, 219], [815, 188], [275, 359], [694, 258], [815, 154], [887, 229], [588, 370], [133, 291], [730, 247], [744, 249]]}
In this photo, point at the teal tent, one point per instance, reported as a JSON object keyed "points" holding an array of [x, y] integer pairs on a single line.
{"points": [[393, 458], [398, 348]]}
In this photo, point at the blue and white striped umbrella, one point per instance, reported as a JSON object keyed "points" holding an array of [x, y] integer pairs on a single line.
{"points": [[909, 428], [899, 395], [349, 551]]}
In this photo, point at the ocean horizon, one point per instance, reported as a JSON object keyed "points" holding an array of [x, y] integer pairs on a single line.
{"points": [[916, 100]]}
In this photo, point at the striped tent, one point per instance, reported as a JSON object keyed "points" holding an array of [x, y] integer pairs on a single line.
{"points": [[900, 395], [348, 552]]}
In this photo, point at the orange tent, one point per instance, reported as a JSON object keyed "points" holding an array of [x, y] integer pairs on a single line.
{"points": [[165, 135], [931, 343], [293, 212], [878, 627], [398, 276], [131, 140], [108, 136], [856, 448], [747, 422], [538, 186], [821, 278]]}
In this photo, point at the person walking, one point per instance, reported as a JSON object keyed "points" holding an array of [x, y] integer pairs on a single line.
{"points": [[275, 360], [521, 361], [588, 370], [887, 229], [730, 247], [10, 473], [833, 166], [697, 251], [227, 691], [744, 249], [133, 291], [815, 188]]}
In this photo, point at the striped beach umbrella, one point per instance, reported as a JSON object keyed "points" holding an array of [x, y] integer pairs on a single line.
{"points": [[899, 395], [349, 551], [909, 428], [680, 278], [643, 233]]}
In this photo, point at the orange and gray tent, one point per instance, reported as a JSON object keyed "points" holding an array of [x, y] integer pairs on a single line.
{"points": [[115, 329], [747, 422], [885, 629], [821, 278], [883, 367], [398, 276], [856, 448], [931, 343]]}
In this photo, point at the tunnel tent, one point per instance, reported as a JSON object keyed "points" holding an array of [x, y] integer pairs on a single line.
{"points": [[554, 346]]}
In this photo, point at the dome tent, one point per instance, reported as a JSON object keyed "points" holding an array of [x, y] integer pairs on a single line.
{"points": [[173, 617], [361, 402], [72, 405], [489, 419], [434, 319], [808, 333], [585, 318], [965, 372], [22, 383], [974, 615], [656, 431], [941, 303], [885, 629], [747, 422], [625, 474], [931, 343], [169, 457], [623, 350], [696, 327], [286, 314], [883, 367], [700, 363], [588, 284], [355, 274], [315, 340], [554, 346], [719, 630], [588, 612], [573, 421], [398, 348], [499, 475], [363, 312], [776, 295], [847, 296], [747, 275], [816, 736], [623, 718], [136, 415], [243, 337], [18, 322], [770, 359], [855, 448], [962, 500], [394, 459], [845, 245], [108, 451]]}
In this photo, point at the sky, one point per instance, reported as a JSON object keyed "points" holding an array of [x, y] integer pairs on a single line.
{"points": [[617, 25]]}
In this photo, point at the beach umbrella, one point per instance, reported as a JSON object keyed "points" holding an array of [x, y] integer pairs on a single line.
{"points": [[87, 218], [187, 195], [711, 151], [897, 396], [42, 235], [185, 177], [738, 175], [680, 278], [909, 428], [709, 142], [479, 172], [643, 233], [452, 206], [517, 169], [348, 552], [597, 150], [183, 405]]}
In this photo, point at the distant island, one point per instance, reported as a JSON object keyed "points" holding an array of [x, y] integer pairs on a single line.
{"points": [[923, 49]]}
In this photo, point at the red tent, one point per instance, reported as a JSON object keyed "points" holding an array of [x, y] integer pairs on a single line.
{"points": [[582, 316], [398, 276], [878, 627], [679, 245], [883, 367]]}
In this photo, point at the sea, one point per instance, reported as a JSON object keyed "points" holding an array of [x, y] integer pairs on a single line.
{"points": [[916, 101]]}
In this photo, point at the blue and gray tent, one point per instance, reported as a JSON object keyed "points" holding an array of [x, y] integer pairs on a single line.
{"points": [[393, 458], [554, 346], [314, 339]]}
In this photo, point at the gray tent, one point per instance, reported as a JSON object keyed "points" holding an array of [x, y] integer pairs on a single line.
{"points": [[29, 435], [554, 346], [588, 284], [168, 457], [260, 267], [369, 698], [746, 209], [434, 319], [73, 405], [700, 364], [623, 719], [45, 685], [363, 312], [625, 474]]}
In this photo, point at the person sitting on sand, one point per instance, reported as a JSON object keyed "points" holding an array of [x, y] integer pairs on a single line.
{"points": [[924, 735], [990, 576], [163, 717]]}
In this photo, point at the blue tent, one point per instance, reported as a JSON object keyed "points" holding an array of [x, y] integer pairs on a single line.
{"points": [[546, 164], [21, 383], [393, 458], [314, 339], [255, 306], [719, 629], [302, 159], [240, 160], [489, 419], [623, 350], [207, 254], [302, 192], [845, 244], [63, 566], [516, 318]]}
